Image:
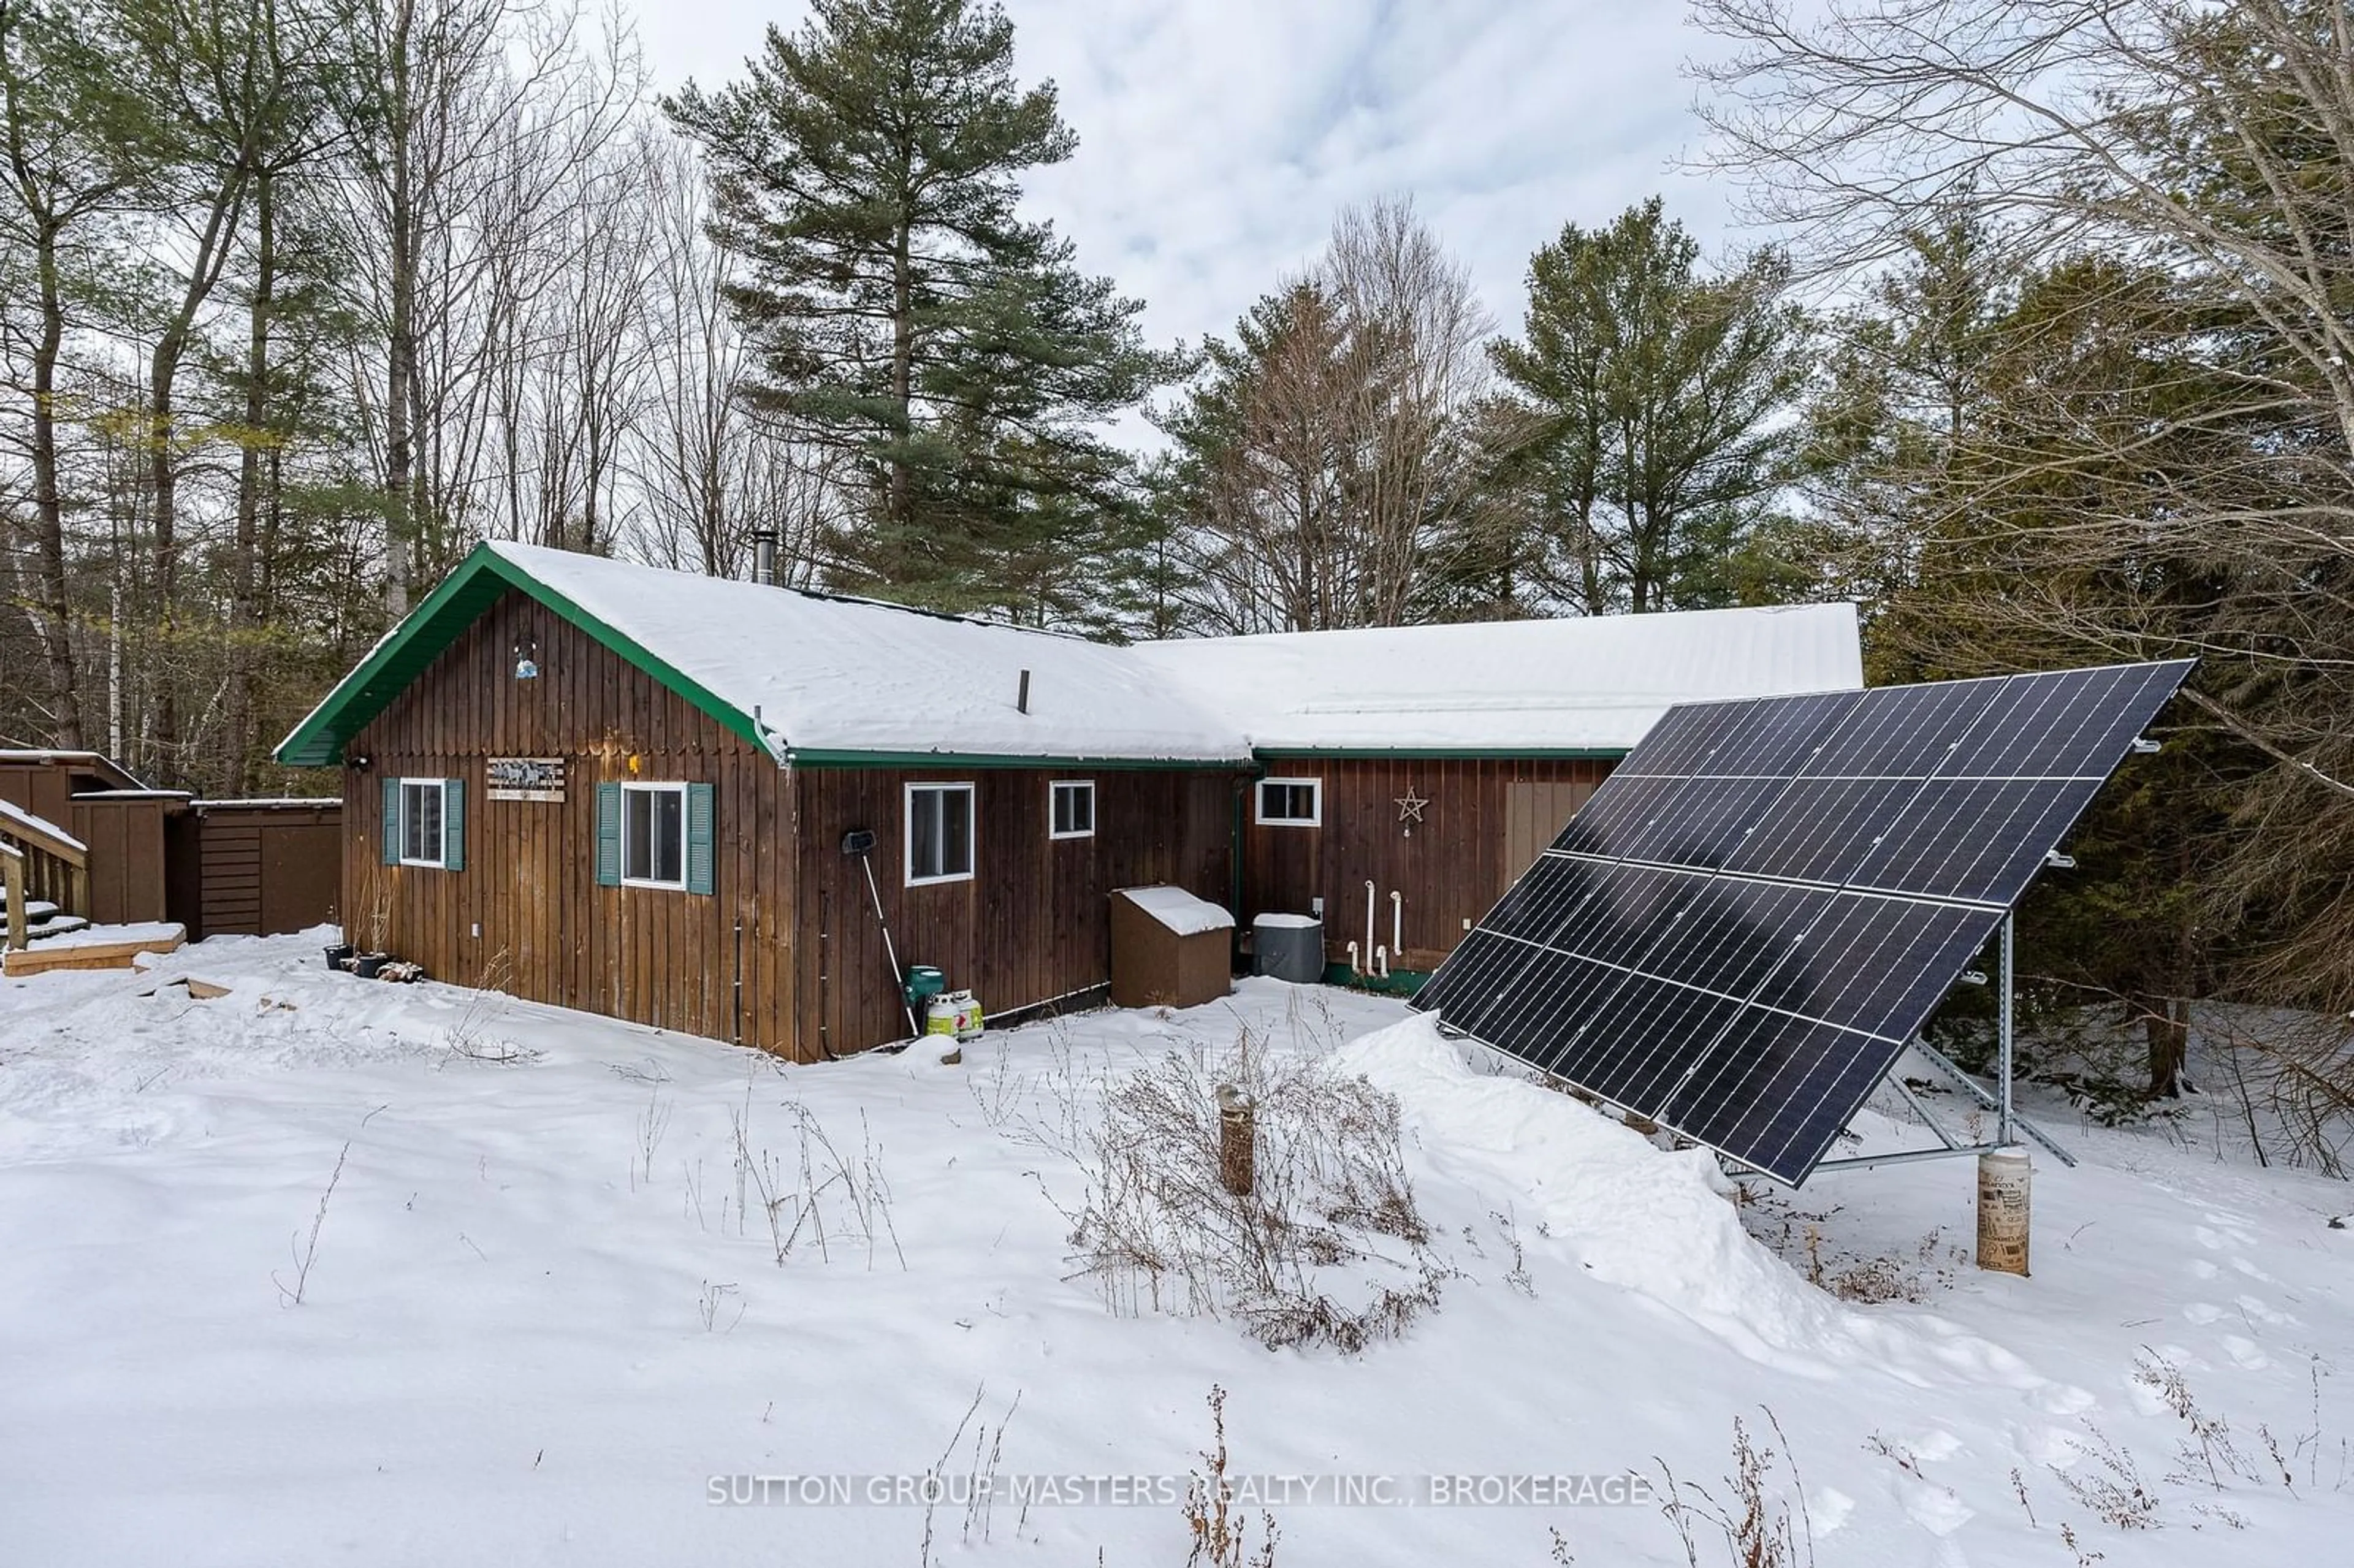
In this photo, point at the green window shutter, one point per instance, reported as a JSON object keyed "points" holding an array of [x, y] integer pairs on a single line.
{"points": [[698, 838], [392, 822], [609, 836], [453, 824]]}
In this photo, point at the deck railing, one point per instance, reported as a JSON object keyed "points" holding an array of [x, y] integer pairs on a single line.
{"points": [[44, 865]]}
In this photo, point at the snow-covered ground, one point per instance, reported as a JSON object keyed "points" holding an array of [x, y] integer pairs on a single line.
{"points": [[536, 1324]]}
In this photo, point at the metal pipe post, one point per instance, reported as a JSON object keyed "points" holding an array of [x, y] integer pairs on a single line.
{"points": [[2002, 1136]]}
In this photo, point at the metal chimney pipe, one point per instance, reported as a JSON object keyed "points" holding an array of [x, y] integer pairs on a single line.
{"points": [[764, 555]]}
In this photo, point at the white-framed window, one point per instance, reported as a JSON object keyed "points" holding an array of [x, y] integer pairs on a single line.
{"points": [[939, 833], [420, 833], [1071, 808], [1290, 803], [654, 835]]}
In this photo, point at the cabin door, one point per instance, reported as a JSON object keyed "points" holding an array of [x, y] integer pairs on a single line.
{"points": [[1534, 815]]}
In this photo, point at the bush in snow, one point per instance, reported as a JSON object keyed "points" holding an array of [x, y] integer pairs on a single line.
{"points": [[1328, 1246]]}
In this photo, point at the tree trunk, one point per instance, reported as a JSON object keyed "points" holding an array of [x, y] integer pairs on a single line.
{"points": [[163, 478], [903, 353], [48, 509], [2166, 1026], [400, 355], [244, 618], [163, 440]]}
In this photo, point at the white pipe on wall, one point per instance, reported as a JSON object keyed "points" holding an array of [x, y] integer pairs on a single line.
{"points": [[1355, 968], [1397, 922], [1369, 920], [1382, 962]]}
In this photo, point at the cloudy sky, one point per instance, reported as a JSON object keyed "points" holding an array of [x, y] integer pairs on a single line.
{"points": [[1218, 137]]}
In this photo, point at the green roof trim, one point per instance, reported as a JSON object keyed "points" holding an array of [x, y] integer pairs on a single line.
{"points": [[1442, 752], [951, 760], [426, 632]]}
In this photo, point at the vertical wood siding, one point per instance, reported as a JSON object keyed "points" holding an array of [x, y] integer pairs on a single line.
{"points": [[1454, 865], [1032, 924], [262, 869], [125, 837], [651, 956]]}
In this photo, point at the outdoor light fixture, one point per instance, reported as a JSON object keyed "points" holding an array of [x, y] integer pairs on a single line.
{"points": [[526, 661]]}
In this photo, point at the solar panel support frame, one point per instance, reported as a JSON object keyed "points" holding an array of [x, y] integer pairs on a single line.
{"points": [[2009, 1123]]}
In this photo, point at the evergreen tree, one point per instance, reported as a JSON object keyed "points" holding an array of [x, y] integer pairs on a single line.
{"points": [[1651, 392], [865, 173]]}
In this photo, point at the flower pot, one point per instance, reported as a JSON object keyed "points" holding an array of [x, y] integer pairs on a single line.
{"points": [[339, 955], [365, 964]]}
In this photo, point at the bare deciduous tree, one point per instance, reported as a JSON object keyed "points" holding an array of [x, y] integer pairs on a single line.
{"points": [[1325, 453]]}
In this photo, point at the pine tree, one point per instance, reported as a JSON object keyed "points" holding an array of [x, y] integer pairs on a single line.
{"points": [[1651, 392], [865, 173]]}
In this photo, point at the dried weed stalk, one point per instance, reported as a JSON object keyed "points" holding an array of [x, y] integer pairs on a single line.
{"points": [[1329, 1247]]}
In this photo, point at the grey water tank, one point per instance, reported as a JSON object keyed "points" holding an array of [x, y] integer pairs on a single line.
{"points": [[1289, 947]]}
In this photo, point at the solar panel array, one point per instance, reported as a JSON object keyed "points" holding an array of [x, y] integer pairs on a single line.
{"points": [[1743, 928]]}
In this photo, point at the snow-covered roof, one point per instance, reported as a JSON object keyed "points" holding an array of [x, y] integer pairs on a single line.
{"points": [[1588, 685], [829, 675], [15, 816], [96, 761], [816, 678]]}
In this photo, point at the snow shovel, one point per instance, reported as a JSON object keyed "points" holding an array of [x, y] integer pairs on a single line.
{"points": [[858, 841]]}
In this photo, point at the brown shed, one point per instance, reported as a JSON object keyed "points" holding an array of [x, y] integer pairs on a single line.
{"points": [[119, 822], [255, 868], [1169, 948]]}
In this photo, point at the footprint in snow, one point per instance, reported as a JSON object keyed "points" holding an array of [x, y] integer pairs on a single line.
{"points": [[1934, 1509], [2263, 1312], [2202, 1312], [2063, 1399], [2243, 1353], [2237, 1223]]}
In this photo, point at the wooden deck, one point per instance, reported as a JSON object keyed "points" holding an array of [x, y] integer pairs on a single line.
{"points": [[97, 948]]}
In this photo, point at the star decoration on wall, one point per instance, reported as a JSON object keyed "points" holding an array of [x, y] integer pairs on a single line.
{"points": [[1410, 805]]}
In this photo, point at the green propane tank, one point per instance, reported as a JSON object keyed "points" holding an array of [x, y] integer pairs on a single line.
{"points": [[924, 982]]}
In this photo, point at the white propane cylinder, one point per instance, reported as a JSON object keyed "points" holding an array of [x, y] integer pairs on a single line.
{"points": [[941, 1016], [968, 1025]]}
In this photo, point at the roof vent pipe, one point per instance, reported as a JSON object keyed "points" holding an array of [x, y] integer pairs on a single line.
{"points": [[1021, 695], [764, 556]]}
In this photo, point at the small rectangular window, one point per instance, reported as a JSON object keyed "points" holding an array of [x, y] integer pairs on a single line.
{"points": [[654, 835], [1072, 802], [1290, 803], [940, 833], [420, 837]]}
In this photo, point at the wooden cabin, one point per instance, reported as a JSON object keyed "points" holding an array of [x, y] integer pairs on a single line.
{"points": [[743, 812]]}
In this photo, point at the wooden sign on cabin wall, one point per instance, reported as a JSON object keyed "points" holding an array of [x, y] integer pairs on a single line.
{"points": [[525, 778]]}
